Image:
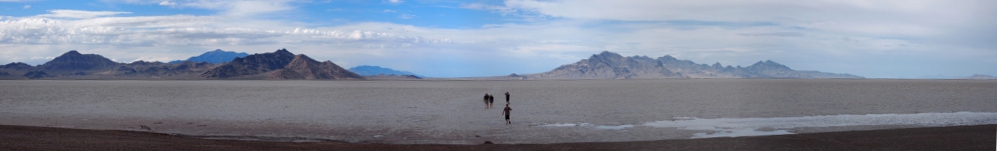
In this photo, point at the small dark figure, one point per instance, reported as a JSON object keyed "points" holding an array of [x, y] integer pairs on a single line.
{"points": [[491, 101], [486, 100], [507, 97], [506, 113]]}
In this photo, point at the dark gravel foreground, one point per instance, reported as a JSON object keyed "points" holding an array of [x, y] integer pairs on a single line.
{"points": [[980, 137]]}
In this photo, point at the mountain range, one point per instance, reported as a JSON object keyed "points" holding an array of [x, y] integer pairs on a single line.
{"points": [[280, 64], [216, 57], [608, 65], [283, 64], [981, 77]]}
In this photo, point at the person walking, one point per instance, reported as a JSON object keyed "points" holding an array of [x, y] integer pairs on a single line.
{"points": [[506, 113], [491, 101], [506, 97], [486, 100]]}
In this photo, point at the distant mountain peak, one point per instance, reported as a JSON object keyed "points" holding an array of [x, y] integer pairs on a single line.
{"points": [[667, 57], [607, 54], [216, 56], [71, 52], [283, 52], [367, 70], [304, 67], [280, 64], [17, 66], [769, 64], [252, 64], [604, 52], [74, 60]]}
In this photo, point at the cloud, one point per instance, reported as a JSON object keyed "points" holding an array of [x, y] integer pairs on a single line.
{"points": [[168, 3], [153, 59], [232, 8], [389, 11], [395, 1], [498, 9], [79, 14], [242, 8], [43, 58], [406, 16], [860, 17], [27, 6], [176, 30], [774, 34]]}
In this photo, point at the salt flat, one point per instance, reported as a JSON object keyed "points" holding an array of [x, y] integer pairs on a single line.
{"points": [[451, 112]]}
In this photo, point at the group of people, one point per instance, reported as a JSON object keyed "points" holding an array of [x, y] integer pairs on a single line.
{"points": [[490, 101]]}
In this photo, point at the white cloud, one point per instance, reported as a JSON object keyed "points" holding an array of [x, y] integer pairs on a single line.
{"points": [[242, 8], [27, 6], [168, 3], [175, 30], [79, 14], [231, 8], [406, 16], [395, 1], [389, 11], [499, 9], [153, 59], [43, 58]]}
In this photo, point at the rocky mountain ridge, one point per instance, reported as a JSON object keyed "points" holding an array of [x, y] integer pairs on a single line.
{"points": [[74, 65], [608, 65], [303, 67], [281, 64], [252, 65], [74, 61]]}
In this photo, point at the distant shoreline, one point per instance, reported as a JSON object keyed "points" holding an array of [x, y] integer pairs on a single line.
{"points": [[977, 137]]}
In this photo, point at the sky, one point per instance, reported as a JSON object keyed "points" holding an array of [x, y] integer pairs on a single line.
{"points": [[444, 38]]}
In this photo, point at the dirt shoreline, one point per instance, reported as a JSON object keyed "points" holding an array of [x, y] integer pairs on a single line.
{"points": [[978, 137]]}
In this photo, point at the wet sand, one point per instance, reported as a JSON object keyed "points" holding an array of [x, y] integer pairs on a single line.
{"points": [[980, 137]]}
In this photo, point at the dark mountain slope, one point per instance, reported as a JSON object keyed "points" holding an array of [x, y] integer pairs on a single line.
{"points": [[303, 67], [74, 61], [252, 65]]}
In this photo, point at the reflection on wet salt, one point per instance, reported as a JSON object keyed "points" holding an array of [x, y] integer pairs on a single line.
{"points": [[605, 127], [739, 133], [566, 124], [735, 127], [617, 127]]}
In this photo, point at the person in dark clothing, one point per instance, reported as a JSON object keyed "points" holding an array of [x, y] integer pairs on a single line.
{"points": [[506, 113], [486, 100], [507, 97], [491, 101]]}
